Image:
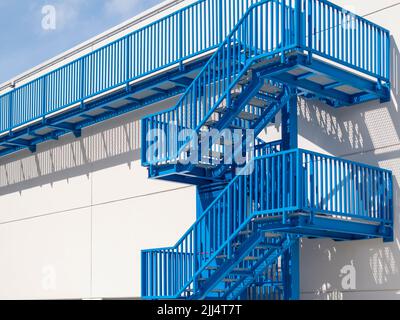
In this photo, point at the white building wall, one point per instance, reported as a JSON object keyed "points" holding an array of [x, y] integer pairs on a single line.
{"points": [[75, 215]]}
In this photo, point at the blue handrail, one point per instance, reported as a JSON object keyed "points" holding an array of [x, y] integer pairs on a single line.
{"points": [[250, 39], [186, 33], [181, 35], [267, 28]]}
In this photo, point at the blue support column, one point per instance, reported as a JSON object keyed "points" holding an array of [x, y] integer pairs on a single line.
{"points": [[289, 123], [204, 197], [291, 259]]}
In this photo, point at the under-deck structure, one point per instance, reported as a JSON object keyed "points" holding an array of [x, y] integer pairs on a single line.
{"points": [[236, 64]]}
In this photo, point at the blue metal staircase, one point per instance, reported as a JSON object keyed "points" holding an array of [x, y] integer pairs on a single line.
{"points": [[257, 217], [276, 52], [236, 65]]}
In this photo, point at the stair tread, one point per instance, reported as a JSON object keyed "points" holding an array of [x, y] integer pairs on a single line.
{"points": [[271, 235], [241, 269], [245, 232], [211, 268], [218, 291], [251, 258], [249, 116], [267, 247], [257, 102], [271, 89], [266, 218], [228, 280]]}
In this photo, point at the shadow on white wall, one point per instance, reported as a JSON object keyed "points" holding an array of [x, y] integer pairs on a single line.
{"points": [[111, 144]]}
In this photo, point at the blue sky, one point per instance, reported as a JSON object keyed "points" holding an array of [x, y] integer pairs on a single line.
{"points": [[24, 43]]}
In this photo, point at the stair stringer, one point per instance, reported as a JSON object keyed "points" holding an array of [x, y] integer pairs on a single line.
{"points": [[246, 247], [269, 258]]}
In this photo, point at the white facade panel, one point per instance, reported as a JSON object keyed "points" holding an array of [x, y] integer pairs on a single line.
{"points": [[48, 257], [121, 230]]}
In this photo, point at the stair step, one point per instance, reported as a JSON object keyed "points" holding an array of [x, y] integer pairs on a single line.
{"points": [[228, 280], [247, 116], [264, 219], [257, 102], [271, 89], [223, 256], [271, 235], [267, 247], [242, 270], [211, 268], [251, 258], [245, 232], [218, 291], [264, 62]]}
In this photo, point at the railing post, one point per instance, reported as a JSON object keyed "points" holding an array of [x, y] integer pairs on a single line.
{"points": [[391, 213], [127, 60], [299, 193], [388, 57], [283, 29], [143, 148], [82, 89], [221, 33], [379, 58], [310, 29], [228, 65], [285, 177], [312, 188], [144, 274], [180, 33], [44, 86], [10, 114], [298, 23]]}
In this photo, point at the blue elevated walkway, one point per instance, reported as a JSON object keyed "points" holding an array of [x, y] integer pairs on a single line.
{"points": [[235, 65]]}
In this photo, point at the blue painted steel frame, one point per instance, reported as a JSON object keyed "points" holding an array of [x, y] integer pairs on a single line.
{"points": [[246, 45], [317, 27], [127, 59], [370, 222]]}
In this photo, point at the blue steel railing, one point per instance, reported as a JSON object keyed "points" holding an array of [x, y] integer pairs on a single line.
{"points": [[321, 28], [217, 228], [346, 188], [268, 28], [343, 37], [186, 33], [251, 39], [295, 180], [262, 148]]}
